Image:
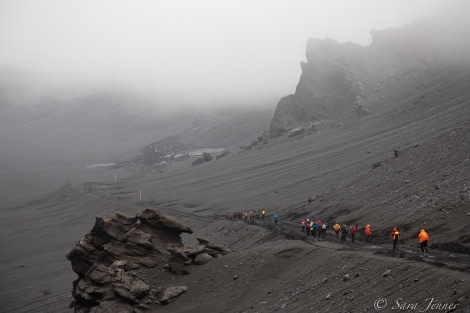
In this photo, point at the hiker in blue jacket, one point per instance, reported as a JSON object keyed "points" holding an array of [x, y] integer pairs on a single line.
{"points": [[275, 218]]}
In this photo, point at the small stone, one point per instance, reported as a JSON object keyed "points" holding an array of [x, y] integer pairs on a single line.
{"points": [[235, 277], [328, 296], [386, 273], [346, 277]]}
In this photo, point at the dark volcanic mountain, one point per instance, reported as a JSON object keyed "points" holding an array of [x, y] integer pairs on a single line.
{"points": [[343, 79]]}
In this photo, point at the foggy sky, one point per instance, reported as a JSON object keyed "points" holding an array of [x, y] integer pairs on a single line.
{"points": [[198, 51]]}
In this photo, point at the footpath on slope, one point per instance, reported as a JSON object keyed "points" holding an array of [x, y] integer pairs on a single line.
{"points": [[291, 230]]}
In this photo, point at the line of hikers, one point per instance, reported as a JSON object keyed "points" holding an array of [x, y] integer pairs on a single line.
{"points": [[250, 216], [246, 215], [319, 227]]}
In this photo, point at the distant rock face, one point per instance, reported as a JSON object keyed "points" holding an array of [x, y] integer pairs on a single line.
{"points": [[108, 259], [327, 89], [341, 79]]}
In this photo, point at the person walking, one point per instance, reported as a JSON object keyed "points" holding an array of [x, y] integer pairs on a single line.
{"points": [[353, 233], [423, 240], [314, 229], [302, 225], [337, 228], [344, 233], [275, 218], [308, 228], [368, 233], [320, 228], [324, 227], [396, 237]]}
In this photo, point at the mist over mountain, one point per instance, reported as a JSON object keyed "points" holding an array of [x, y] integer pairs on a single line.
{"points": [[345, 79], [374, 135], [91, 126]]}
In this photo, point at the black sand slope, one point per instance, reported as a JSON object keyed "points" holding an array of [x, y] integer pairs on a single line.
{"points": [[349, 170]]}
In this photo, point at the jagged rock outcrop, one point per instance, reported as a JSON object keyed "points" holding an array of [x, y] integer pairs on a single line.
{"points": [[255, 144], [198, 161], [112, 259], [346, 79], [207, 157], [225, 153], [327, 86]]}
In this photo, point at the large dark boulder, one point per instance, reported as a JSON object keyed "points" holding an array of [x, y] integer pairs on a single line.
{"points": [[108, 259], [206, 157]]}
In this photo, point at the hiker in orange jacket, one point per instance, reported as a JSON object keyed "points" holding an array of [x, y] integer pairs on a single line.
{"points": [[337, 228], [368, 233], [423, 240]]}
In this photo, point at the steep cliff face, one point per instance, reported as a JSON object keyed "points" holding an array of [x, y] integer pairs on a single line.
{"points": [[327, 86], [344, 79]]}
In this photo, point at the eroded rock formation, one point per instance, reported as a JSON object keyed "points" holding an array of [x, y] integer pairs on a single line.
{"points": [[119, 260], [345, 79]]}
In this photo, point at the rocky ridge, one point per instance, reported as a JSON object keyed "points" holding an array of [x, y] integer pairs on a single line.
{"points": [[345, 79]]}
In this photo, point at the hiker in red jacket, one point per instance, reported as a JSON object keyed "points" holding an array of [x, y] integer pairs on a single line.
{"points": [[368, 233], [353, 233], [302, 225]]}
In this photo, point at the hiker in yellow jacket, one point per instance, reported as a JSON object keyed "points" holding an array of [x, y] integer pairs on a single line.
{"points": [[396, 237]]}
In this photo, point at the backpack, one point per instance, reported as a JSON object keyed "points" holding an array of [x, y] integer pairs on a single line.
{"points": [[323, 226], [336, 227], [396, 235]]}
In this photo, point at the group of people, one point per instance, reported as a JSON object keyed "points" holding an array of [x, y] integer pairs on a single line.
{"points": [[314, 228], [422, 236], [250, 216], [344, 230], [245, 215], [319, 228]]}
